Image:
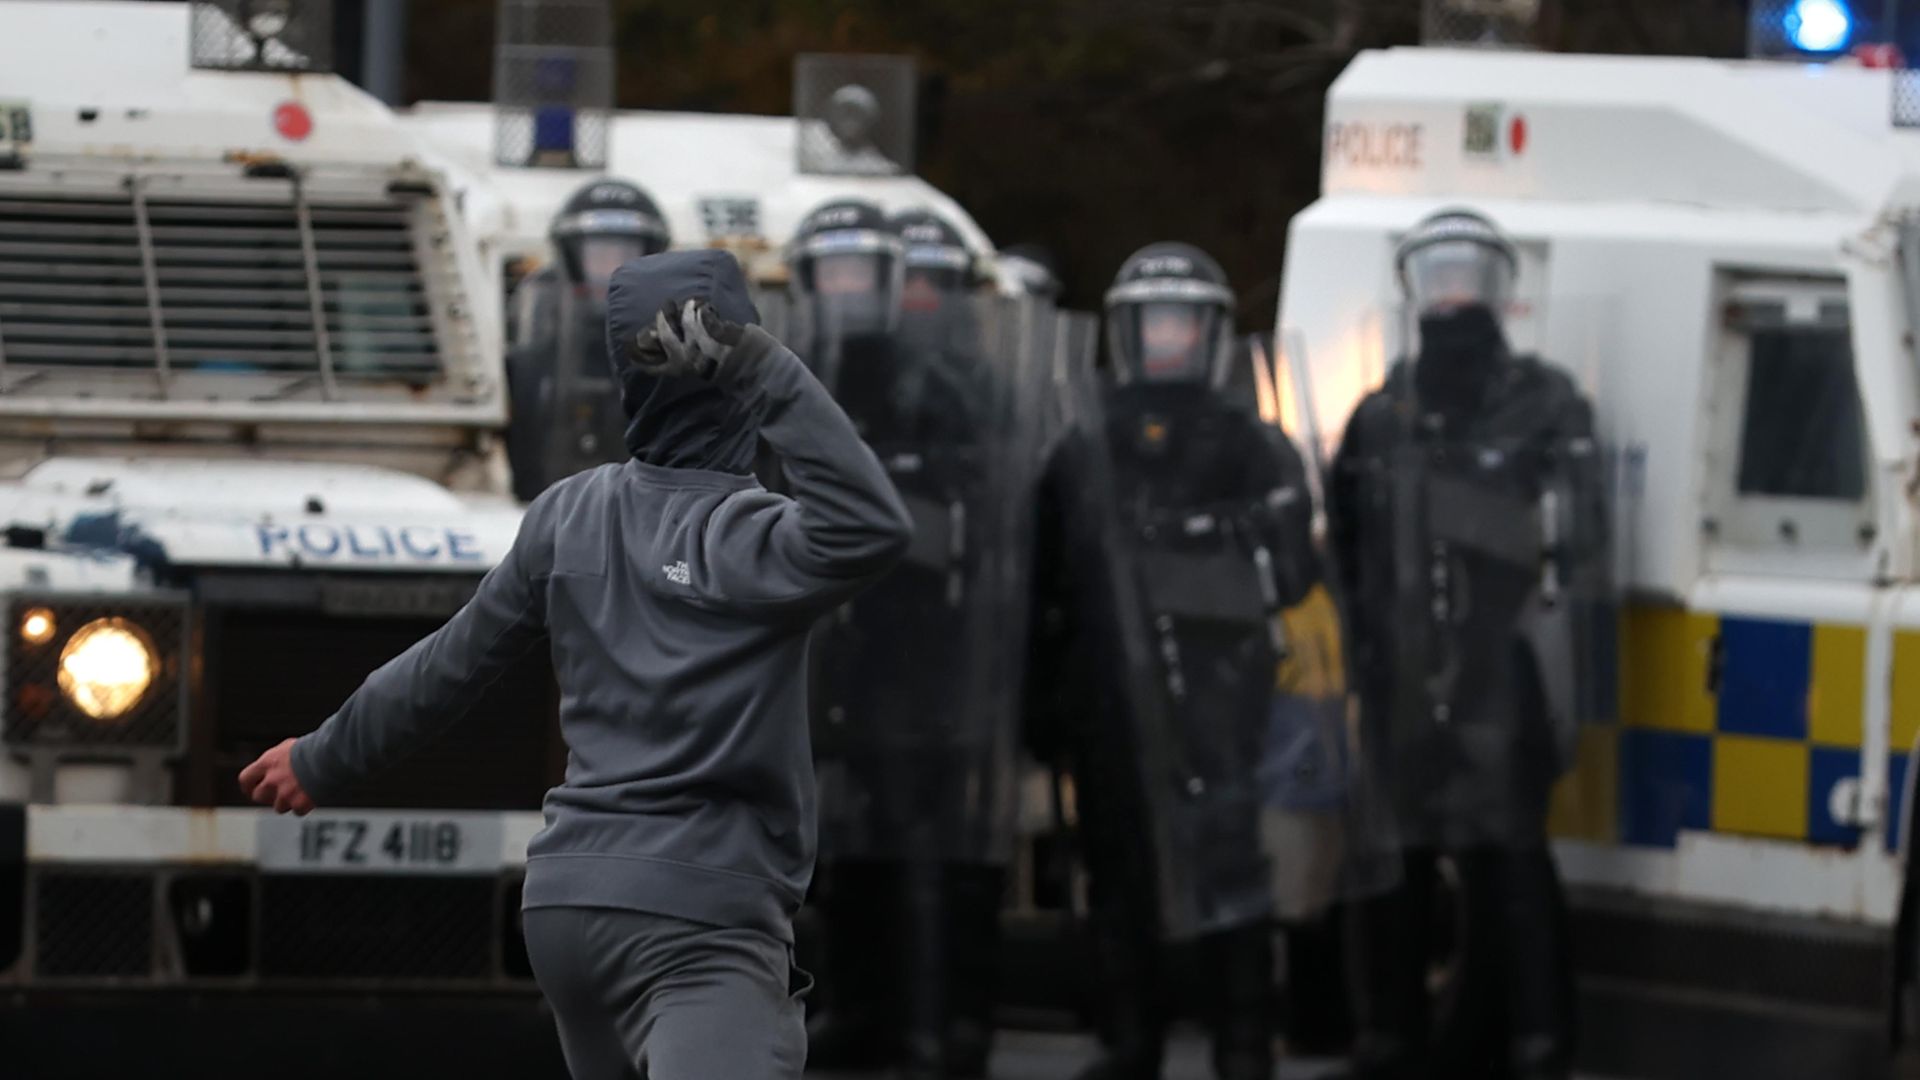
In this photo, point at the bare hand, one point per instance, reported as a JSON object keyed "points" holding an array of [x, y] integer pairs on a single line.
{"points": [[270, 781]]}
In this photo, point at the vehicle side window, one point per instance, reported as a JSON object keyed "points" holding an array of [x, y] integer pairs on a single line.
{"points": [[1802, 435], [1790, 488]]}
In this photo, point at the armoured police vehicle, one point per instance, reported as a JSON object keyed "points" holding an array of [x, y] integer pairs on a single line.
{"points": [[251, 418], [1726, 255]]}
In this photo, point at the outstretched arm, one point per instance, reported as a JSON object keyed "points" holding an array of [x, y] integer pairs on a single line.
{"points": [[418, 694]]}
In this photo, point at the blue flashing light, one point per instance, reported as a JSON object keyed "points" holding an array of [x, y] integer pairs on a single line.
{"points": [[1818, 26], [553, 130]]}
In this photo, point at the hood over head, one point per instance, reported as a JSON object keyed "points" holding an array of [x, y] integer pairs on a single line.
{"points": [[680, 423]]}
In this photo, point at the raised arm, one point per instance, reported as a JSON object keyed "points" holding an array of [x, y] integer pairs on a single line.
{"points": [[840, 525]]}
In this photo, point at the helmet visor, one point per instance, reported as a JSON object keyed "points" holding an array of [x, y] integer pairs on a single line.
{"points": [[927, 290], [600, 256], [852, 292], [1167, 341], [847, 275], [1454, 274]]}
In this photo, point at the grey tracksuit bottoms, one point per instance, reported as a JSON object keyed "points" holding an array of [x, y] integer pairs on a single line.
{"points": [[660, 998]]}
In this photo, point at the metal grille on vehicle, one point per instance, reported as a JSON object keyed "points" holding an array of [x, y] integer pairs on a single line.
{"points": [[228, 927], [246, 35], [276, 673], [315, 292], [378, 927], [1480, 23], [43, 646], [93, 924], [1906, 98]]}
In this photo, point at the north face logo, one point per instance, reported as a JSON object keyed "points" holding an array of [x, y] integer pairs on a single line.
{"points": [[679, 574]]}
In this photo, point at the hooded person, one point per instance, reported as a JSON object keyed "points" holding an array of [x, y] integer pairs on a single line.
{"points": [[675, 596], [679, 422]]}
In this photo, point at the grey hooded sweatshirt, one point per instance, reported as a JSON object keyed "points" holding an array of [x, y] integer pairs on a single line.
{"points": [[676, 595]]}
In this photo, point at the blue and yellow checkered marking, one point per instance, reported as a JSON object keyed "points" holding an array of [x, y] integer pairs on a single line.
{"points": [[1759, 758], [1766, 670]]}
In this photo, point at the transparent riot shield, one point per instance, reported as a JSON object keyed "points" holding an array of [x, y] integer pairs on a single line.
{"points": [[1574, 628], [1249, 376], [914, 692], [590, 428], [1469, 507], [565, 404], [1325, 819], [529, 359], [776, 310], [776, 313]]}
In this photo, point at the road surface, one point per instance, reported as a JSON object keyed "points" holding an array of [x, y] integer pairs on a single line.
{"points": [[1033, 1056]]}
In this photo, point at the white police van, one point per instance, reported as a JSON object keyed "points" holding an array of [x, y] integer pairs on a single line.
{"points": [[251, 418], [1727, 254]]}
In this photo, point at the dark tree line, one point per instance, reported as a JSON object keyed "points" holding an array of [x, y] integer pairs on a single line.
{"points": [[1091, 126]]}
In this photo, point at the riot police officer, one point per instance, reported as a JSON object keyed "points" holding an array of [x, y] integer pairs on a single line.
{"points": [[910, 736], [565, 411], [1467, 510], [1175, 530]]}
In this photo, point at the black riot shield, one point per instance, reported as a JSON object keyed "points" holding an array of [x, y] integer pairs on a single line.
{"points": [[565, 406], [1475, 530], [1219, 651], [916, 679]]}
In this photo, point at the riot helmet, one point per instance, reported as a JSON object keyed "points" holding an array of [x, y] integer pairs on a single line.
{"points": [[847, 262], [1169, 317], [937, 263], [1457, 272], [604, 225], [1031, 269]]}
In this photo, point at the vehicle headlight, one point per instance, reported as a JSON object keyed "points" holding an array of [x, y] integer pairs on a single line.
{"points": [[106, 667], [37, 626]]}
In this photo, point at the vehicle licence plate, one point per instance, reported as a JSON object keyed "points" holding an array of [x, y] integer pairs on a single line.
{"points": [[381, 842]]}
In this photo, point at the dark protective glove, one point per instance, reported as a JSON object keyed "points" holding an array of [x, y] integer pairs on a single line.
{"points": [[687, 339]]}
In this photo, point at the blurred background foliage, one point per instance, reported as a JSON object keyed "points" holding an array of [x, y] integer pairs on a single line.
{"points": [[1089, 126]]}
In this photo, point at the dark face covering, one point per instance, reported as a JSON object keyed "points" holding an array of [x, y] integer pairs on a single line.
{"points": [[1461, 350], [680, 423]]}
